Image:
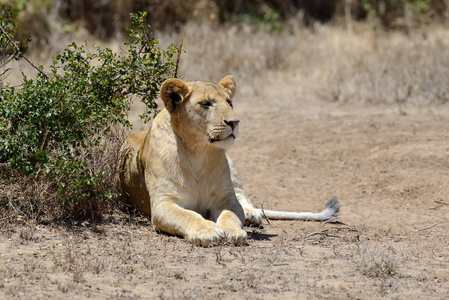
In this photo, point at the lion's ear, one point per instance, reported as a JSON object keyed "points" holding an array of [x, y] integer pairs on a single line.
{"points": [[173, 91], [229, 84]]}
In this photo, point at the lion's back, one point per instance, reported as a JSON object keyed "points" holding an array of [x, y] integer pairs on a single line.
{"points": [[130, 177]]}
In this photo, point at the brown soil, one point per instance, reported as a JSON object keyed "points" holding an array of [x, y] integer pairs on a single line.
{"points": [[387, 164]]}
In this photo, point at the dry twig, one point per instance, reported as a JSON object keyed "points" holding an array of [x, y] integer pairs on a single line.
{"points": [[324, 232], [330, 220], [263, 214], [20, 54], [6, 70], [177, 60], [441, 202], [428, 227]]}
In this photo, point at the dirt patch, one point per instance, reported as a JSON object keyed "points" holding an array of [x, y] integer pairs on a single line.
{"points": [[387, 164]]}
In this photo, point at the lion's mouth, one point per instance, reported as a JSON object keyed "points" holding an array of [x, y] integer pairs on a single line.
{"points": [[213, 140]]}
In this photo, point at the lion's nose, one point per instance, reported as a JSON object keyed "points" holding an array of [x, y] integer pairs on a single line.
{"points": [[232, 123]]}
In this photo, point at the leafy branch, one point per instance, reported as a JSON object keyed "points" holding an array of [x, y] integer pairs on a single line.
{"points": [[47, 123]]}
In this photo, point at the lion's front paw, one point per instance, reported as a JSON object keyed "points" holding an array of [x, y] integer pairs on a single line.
{"points": [[205, 234], [236, 236], [253, 217]]}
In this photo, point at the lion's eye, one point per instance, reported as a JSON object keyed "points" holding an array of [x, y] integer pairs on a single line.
{"points": [[206, 104], [230, 103]]}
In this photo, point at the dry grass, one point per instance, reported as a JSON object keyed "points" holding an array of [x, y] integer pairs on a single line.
{"points": [[130, 261], [36, 199], [329, 63], [373, 264]]}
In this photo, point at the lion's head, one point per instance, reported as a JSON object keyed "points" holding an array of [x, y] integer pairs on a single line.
{"points": [[202, 111]]}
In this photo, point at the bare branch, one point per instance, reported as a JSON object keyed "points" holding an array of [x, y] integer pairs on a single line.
{"points": [[7, 69], [20, 54], [177, 60]]}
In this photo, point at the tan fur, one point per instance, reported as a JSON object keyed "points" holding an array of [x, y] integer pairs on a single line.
{"points": [[178, 172]]}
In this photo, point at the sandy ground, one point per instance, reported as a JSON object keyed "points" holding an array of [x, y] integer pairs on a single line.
{"points": [[387, 164]]}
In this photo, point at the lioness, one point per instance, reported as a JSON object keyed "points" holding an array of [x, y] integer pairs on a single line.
{"points": [[178, 172]]}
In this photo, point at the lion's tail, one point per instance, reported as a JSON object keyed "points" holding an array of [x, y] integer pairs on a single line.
{"points": [[330, 212]]}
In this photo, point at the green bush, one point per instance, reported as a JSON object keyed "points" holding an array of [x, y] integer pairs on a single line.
{"points": [[50, 122], [392, 13]]}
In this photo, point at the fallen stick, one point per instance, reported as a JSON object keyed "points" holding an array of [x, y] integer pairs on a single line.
{"points": [[441, 202], [324, 232], [428, 227], [330, 220]]}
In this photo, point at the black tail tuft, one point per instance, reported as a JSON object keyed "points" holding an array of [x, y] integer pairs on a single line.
{"points": [[334, 206]]}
